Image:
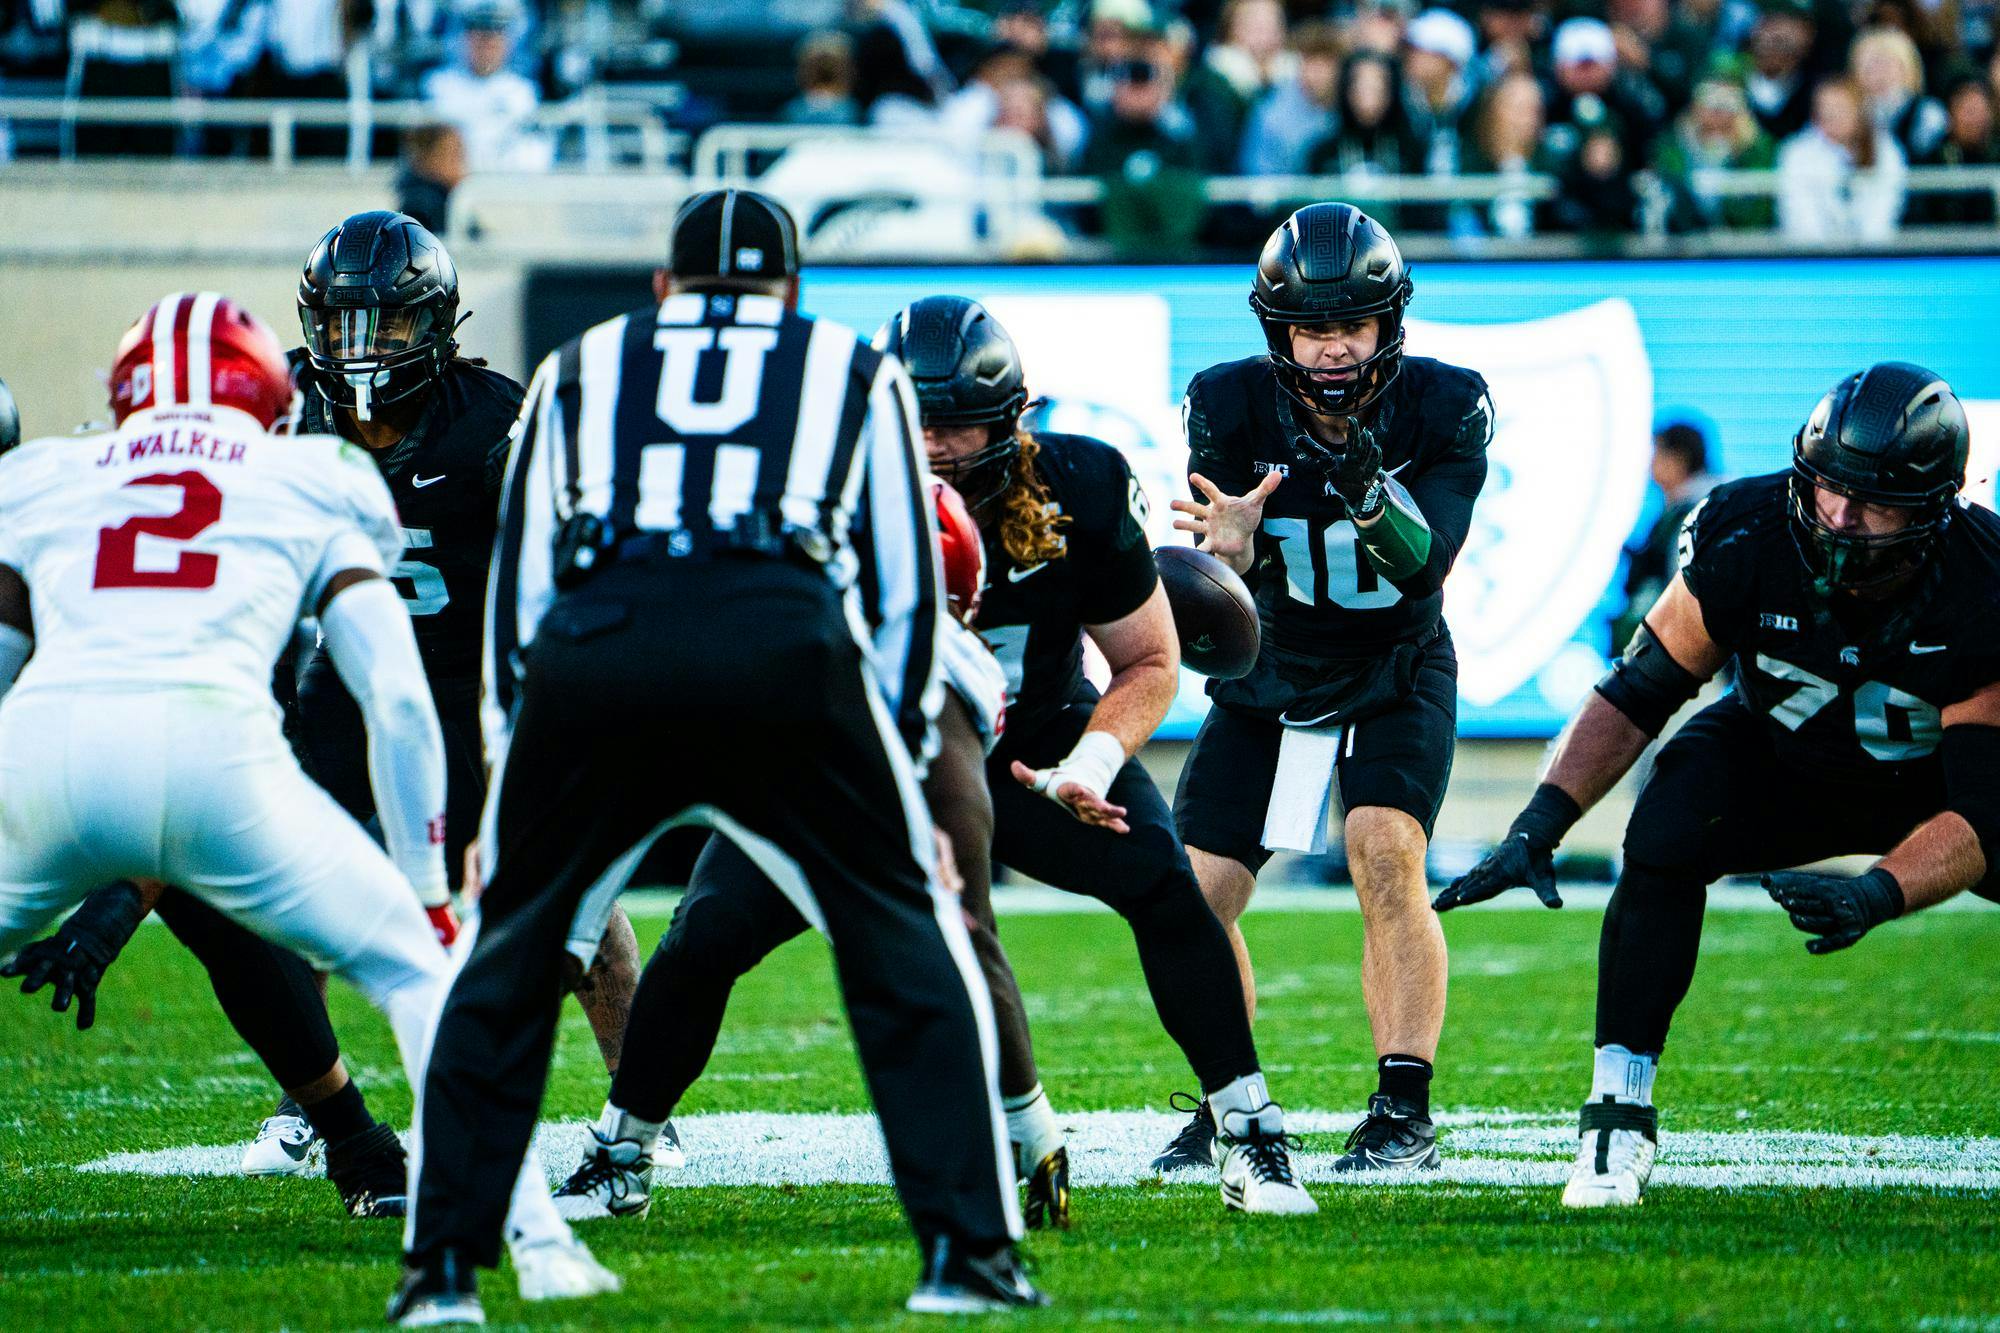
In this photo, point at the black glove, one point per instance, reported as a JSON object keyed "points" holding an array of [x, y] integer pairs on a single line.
{"points": [[74, 958], [1526, 856], [1354, 470], [1838, 909]]}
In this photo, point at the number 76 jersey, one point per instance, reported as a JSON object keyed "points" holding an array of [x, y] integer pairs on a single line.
{"points": [[180, 549], [1851, 689]]}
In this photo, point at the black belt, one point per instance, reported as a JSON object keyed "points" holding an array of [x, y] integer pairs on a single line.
{"points": [[584, 545]]}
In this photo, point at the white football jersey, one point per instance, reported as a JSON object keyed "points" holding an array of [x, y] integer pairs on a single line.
{"points": [[181, 548]]}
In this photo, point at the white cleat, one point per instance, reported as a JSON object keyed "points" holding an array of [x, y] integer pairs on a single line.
{"points": [[1614, 1157], [561, 1270], [614, 1180], [1256, 1159], [285, 1144]]}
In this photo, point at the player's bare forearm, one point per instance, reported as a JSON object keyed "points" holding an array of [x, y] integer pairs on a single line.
{"points": [[1940, 859], [1596, 749]]}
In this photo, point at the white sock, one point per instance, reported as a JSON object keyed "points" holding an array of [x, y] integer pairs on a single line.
{"points": [[1032, 1127], [1246, 1101], [1623, 1076], [531, 1216], [616, 1124]]}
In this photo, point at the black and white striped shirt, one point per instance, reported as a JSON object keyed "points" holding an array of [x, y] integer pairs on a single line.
{"points": [[682, 420]]}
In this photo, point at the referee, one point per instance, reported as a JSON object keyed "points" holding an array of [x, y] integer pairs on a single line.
{"points": [[715, 601]]}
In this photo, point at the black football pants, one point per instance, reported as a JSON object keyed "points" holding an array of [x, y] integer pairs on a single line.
{"points": [[732, 917], [733, 685], [1720, 802], [267, 992]]}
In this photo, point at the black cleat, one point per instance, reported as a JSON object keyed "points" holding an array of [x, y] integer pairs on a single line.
{"points": [[1391, 1138], [439, 1291], [1048, 1193], [371, 1173], [956, 1283], [1194, 1147]]}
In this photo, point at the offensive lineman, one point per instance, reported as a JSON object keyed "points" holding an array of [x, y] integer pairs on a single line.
{"points": [[1337, 476], [1858, 597], [138, 737]]}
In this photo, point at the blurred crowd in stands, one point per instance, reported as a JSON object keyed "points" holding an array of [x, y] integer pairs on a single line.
{"points": [[1591, 117]]}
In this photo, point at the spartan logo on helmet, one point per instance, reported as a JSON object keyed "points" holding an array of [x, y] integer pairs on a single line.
{"points": [[1894, 435], [1332, 264], [379, 305]]}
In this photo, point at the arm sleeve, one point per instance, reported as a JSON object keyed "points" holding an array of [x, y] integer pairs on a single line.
{"points": [[521, 584], [1441, 498], [369, 638], [1123, 574], [898, 532]]}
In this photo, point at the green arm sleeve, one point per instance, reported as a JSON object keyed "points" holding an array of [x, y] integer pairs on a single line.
{"points": [[1399, 542]]}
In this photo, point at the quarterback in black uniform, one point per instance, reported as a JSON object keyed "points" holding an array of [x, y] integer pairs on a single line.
{"points": [[1859, 598], [1337, 476]]}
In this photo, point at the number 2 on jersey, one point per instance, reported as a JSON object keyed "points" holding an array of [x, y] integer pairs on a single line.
{"points": [[118, 548]]}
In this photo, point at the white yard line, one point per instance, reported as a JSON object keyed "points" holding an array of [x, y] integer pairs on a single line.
{"points": [[1113, 1148]]}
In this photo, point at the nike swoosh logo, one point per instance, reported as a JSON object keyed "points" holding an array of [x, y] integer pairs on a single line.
{"points": [[1918, 649], [1016, 575], [1399, 467], [421, 482]]}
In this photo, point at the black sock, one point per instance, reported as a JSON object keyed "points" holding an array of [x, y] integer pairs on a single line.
{"points": [[341, 1116], [1407, 1079]]}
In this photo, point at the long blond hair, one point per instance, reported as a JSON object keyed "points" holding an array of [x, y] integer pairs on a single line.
{"points": [[1030, 525]]}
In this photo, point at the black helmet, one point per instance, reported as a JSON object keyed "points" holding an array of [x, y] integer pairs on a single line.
{"points": [[967, 373], [1330, 263], [10, 420], [379, 304], [1894, 434]]}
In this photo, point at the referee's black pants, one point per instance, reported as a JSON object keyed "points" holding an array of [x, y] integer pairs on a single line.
{"points": [[733, 684]]}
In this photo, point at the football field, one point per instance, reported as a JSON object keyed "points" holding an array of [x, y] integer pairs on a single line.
{"points": [[1831, 1150]]}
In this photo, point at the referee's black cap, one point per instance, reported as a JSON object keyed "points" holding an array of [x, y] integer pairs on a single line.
{"points": [[738, 235]]}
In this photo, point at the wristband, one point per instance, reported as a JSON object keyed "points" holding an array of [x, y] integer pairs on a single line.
{"points": [[1092, 764], [1881, 895], [1549, 814]]}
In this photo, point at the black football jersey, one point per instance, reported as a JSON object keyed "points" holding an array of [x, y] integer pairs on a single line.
{"points": [[445, 478], [1317, 594], [1843, 687], [1033, 617]]}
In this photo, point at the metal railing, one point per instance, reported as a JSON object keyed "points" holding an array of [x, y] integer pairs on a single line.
{"points": [[598, 116]]}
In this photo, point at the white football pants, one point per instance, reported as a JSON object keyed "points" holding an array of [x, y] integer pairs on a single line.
{"points": [[198, 788]]}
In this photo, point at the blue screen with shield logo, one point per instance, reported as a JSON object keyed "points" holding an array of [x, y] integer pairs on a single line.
{"points": [[1582, 357]]}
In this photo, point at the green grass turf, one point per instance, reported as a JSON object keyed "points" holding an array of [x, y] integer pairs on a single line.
{"points": [[1897, 1035]]}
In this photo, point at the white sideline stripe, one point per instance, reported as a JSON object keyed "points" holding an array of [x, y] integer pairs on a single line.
{"points": [[1114, 1148]]}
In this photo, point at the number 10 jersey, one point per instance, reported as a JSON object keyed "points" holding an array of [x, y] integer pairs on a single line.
{"points": [[180, 549], [1317, 593]]}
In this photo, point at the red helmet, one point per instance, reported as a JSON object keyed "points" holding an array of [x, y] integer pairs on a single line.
{"points": [[200, 350], [963, 551]]}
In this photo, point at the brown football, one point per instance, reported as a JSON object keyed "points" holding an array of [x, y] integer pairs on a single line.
{"points": [[1213, 611]]}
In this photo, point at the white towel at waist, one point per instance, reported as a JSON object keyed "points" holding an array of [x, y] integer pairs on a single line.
{"points": [[1302, 790]]}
